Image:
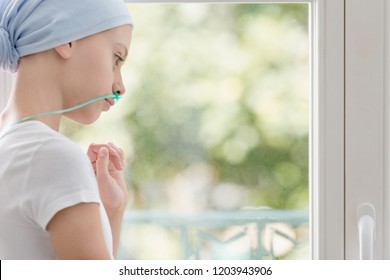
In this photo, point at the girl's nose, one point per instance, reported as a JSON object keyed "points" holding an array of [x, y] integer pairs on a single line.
{"points": [[119, 87]]}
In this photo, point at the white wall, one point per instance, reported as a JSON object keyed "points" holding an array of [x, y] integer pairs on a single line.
{"points": [[5, 87]]}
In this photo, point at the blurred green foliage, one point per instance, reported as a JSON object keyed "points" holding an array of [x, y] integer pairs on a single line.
{"points": [[217, 104]]}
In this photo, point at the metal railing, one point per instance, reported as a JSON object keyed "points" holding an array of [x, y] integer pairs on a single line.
{"points": [[264, 230]]}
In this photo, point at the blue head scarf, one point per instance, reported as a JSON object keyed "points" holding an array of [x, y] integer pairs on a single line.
{"points": [[32, 26]]}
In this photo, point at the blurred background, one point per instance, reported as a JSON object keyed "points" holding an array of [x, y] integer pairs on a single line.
{"points": [[215, 126]]}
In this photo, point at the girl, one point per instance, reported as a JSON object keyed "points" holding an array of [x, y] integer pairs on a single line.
{"points": [[55, 201]]}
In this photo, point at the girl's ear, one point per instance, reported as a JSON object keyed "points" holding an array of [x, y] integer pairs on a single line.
{"points": [[65, 50]]}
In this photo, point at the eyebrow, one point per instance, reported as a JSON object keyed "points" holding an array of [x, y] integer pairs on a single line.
{"points": [[123, 46]]}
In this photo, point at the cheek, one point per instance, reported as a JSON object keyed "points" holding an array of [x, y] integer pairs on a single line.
{"points": [[99, 64], [99, 72], [92, 69]]}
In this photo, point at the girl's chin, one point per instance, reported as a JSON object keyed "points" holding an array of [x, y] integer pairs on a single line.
{"points": [[86, 120]]}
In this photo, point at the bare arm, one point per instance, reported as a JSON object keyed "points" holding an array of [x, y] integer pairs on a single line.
{"points": [[77, 234]]}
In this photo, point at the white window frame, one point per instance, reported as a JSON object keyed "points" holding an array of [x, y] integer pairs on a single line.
{"points": [[367, 124], [327, 135]]}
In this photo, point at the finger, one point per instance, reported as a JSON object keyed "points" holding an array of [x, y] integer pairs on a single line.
{"points": [[115, 154], [116, 157], [102, 163], [118, 150], [92, 152]]}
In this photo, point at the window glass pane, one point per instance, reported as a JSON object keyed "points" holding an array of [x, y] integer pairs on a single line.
{"points": [[215, 125]]}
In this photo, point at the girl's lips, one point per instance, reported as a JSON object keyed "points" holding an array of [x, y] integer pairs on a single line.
{"points": [[110, 101]]}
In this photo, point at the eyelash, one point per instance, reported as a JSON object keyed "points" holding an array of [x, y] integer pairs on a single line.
{"points": [[118, 59]]}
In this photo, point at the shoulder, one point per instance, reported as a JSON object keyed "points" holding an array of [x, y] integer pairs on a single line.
{"points": [[34, 145], [56, 160], [47, 159], [52, 149], [60, 149], [58, 176]]}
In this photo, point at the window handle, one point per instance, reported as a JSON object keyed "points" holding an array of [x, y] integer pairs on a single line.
{"points": [[366, 225]]}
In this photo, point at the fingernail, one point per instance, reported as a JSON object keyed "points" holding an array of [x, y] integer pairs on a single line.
{"points": [[102, 152]]}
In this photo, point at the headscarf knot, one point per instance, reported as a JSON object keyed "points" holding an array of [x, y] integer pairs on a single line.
{"points": [[9, 56]]}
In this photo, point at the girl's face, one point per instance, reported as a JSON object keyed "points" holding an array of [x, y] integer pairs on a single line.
{"points": [[95, 70]]}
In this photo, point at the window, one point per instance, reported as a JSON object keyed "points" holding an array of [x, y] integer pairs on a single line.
{"points": [[216, 124]]}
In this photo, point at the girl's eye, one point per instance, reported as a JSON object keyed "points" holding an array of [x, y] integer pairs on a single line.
{"points": [[118, 59]]}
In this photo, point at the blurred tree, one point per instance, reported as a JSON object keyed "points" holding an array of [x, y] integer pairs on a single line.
{"points": [[223, 85]]}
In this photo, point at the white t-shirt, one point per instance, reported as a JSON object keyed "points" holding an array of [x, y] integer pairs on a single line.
{"points": [[41, 173]]}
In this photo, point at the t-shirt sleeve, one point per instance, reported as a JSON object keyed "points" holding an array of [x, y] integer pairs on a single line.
{"points": [[60, 176]]}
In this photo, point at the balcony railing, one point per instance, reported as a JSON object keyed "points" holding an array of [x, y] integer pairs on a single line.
{"points": [[244, 234]]}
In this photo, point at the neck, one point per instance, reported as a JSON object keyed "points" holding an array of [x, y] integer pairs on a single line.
{"points": [[32, 95]]}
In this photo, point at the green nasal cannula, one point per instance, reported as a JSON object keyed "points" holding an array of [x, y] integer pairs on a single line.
{"points": [[114, 96]]}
